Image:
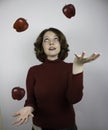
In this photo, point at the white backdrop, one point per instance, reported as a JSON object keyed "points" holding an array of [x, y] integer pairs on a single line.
{"points": [[87, 31]]}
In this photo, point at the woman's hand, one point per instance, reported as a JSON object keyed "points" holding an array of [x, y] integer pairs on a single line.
{"points": [[80, 60], [22, 115]]}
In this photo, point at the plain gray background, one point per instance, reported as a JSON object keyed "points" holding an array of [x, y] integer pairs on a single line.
{"points": [[87, 31]]}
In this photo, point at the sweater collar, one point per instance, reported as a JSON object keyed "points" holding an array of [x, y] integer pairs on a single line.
{"points": [[53, 61]]}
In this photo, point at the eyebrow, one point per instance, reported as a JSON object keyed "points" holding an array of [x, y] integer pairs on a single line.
{"points": [[48, 36], [45, 37]]}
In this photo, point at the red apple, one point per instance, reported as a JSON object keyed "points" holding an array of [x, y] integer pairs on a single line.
{"points": [[20, 25], [18, 93], [69, 10]]}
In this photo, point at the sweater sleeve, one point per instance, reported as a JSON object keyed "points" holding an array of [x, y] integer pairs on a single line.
{"points": [[30, 81], [75, 87]]}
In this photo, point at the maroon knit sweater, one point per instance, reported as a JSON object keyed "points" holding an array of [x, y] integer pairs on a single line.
{"points": [[52, 90]]}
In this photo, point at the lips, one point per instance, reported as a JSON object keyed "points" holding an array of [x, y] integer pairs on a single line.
{"points": [[52, 48]]}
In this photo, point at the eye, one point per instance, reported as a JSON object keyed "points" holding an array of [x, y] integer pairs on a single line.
{"points": [[56, 39], [46, 40]]}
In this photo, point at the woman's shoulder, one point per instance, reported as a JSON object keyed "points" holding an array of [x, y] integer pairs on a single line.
{"points": [[68, 66], [35, 67], [67, 63]]}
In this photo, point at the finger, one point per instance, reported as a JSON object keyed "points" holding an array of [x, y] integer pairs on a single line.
{"points": [[97, 55], [18, 121], [80, 56], [83, 54], [21, 121], [26, 120], [90, 58], [76, 55], [32, 115], [94, 56], [15, 114]]}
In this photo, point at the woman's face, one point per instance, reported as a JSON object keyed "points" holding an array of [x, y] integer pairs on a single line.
{"points": [[51, 45]]}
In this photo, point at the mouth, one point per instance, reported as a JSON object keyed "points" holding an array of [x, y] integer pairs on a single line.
{"points": [[52, 48]]}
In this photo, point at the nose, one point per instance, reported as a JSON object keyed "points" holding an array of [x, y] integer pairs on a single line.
{"points": [[51, 43]]}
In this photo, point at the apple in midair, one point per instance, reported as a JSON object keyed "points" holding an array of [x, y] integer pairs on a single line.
{"points": [[18, 93], [20, 25], [69, 10]]}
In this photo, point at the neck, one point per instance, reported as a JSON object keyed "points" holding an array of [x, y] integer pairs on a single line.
{"points": [[53, 61], [52, 58]]}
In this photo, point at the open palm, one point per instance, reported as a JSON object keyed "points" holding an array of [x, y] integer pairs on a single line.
{"points": [[81, 59]]}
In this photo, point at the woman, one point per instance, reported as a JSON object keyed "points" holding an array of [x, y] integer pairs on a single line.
{"points": [[53, 86]]}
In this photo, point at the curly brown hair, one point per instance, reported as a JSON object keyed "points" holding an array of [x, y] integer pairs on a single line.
{"points": [[39, 51]]}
